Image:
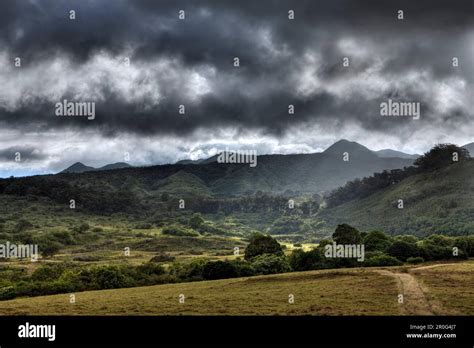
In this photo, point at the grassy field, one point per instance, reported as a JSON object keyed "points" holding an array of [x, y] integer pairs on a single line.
{"points": [[446, 290], [448, 286]]}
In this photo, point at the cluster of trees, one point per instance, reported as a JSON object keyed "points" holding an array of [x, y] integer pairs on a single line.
{"points": [[65, 277], [360, 188], [96, 198], [438, 157], [383, 250]]}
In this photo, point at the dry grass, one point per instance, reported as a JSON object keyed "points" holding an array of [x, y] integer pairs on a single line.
{"points": [[449, 288], [332, 292]]}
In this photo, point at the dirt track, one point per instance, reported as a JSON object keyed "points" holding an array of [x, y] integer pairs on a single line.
{"points": [[414, 299]]}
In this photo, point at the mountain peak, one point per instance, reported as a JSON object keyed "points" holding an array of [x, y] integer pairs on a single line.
{"points": [[344, 145], [77, 167]]}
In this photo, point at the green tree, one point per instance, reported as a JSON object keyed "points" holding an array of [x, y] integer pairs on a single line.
{"points": [[376, 241], [49, 247], [262, 244], [270, 264], [441, 156], [403, 250], [300, 260], [196, 221], [219, 270], [346, 234]]}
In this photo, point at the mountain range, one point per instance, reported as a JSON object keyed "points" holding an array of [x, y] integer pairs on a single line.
{"points": [[304, 173], [79, 167], [301, 173]]}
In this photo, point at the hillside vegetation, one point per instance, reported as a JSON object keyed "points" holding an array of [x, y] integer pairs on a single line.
{"points": [[440, 201]]}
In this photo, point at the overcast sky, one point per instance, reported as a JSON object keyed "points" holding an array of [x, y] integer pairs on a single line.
{"points": [[190, 62]]}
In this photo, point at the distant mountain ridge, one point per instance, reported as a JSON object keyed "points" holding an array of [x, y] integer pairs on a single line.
{"points": [[470, 147], [389, 153], [338, 147], [79, 167], [300, 173]]}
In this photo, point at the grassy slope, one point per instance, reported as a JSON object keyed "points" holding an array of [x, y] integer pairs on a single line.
{"points": [[434, 202], [326, 292]]}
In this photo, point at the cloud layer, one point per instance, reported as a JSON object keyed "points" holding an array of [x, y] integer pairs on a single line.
{"points": [[139, 62]]}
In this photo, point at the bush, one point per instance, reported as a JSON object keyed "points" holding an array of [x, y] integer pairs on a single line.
{"points": [[49, 272], [7, 293], [243, 268], [415, 260], [188, 271], [305, 261], [219, 270], [196, 221], [48, 247], [63, 237], [346, 234], [270, 264], [381, 261], [403, 250], [262, 244], [376, 241], [433, 252], [108, 277], [22, 225], [162, 258], [177, 231], [81, 228]]}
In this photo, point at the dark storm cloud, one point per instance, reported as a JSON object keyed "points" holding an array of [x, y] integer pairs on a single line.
{"points": [[24, 153], [275, 54]]}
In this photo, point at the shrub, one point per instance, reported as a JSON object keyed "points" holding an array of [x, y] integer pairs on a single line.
{"points": [[376, 241], [305, 261], [48, 247], [177, 231], [262, 244], [49, 272], [196, 221], [431, 251], [243, 268], [403, 250], [415, 260], [381, 261], [188, 271], [22, 225], [63, 237], [81, 228], [108, 277], [346, 234], [219, 270], [7, 293], [270, 264], [162, 258]]}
